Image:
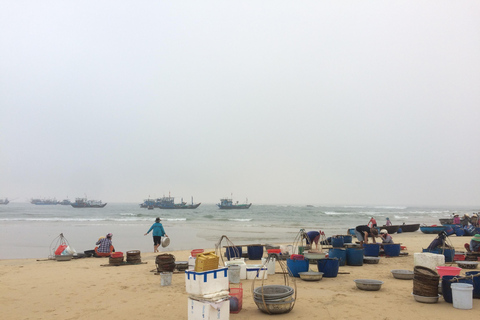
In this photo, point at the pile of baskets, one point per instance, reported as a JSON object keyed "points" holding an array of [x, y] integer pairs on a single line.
{"points": [[134, 257], [165, 262], [425, 282], [116, 258], [274, 299]]}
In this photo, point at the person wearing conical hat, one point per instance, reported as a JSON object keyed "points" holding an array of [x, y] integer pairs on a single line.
{"points": [[474, 245], [465, 220], [474, 220], [456, 219]]}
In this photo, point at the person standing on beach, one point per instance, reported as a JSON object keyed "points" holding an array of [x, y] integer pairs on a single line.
{"points": [[388, 223], [158, 233], [363, 232], [373, 222]]}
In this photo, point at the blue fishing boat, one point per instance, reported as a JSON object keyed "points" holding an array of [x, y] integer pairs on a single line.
{"points": [[2, 201], [84, 203], [169, 203], [432, 229], [227, 203]]}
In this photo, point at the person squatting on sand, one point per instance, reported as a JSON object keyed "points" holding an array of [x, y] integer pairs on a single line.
{"points": [[158, 233], [474, 245], [363, 232], [105, 246], [386, 238]]}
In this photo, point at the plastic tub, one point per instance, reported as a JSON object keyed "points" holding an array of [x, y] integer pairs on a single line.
{"points": [[296, 266], [462, 295], [341, 254], [392, 250], [354, 256], [371, 249], [448, 271], [347, 239], [447, 283], [194, 252], [255, 252], [329, 267], [475, 282], [234, 252], [337, 241]]}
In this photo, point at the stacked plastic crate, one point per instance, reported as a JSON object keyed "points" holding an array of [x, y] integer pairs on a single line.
{"points": [[207, 287]]}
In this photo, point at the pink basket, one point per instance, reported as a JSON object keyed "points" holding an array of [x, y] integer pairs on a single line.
{"points": [[448, 271]]}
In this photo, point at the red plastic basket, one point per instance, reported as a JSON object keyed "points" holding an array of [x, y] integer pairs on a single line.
{"points": [[274, 251], [194, 252], [116, 255], [297, 257], [236, 298]]}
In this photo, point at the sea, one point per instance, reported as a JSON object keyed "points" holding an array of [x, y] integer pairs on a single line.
{"points": [[33, 231]]}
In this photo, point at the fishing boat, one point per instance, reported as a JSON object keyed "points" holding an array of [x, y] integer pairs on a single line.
{"points": [[44, 201], [447, 221], [4, 201], [390, 229], [409, 227], [65, 202], [432, 229], [169, 203], [227, 203], [84, 203], [148, 203]]}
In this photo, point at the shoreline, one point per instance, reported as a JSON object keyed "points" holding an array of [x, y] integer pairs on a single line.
{"points": [[83, 289]]}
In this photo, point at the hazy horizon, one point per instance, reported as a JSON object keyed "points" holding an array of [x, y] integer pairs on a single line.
{"points": [[301, 102]]}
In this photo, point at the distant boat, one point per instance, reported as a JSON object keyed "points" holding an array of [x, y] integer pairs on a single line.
{"points": [[227, 203], [84, 203], [169, 203], [390, 229], [44, 201], [65, 202], [409, 227], [148, 203], [2, 201]]}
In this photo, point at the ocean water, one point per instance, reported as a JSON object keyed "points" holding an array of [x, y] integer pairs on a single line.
{"points": [[30, 231]]}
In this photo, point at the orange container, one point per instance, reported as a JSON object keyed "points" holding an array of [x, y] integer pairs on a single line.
{"points": [[116, 254]]}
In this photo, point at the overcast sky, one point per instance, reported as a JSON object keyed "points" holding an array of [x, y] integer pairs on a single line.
{"points": [[280, 102]]}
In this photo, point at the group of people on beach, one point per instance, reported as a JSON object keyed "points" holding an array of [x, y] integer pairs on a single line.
{"points": [[466, 219], [105, 246]]}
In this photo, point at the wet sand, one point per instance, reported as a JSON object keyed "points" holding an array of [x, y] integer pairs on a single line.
{"points": [[84, 289]]}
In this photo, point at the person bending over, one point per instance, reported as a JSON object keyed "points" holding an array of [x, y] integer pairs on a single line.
{"points": [[363, 232], [313, 237]]}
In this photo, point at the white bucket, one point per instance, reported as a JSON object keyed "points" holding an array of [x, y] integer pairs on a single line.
{"points": [[165, 278], [191, 263], [462, 294], [234, 273], [270, 265]]}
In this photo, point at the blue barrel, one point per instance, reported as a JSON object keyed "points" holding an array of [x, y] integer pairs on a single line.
{"points": [[446, 286], [449, 254], [296, 266], [399, 230], [392, 250], [371, 249], [329, 267], [476, 283], [355, 256], [341, 254], [459, 232], [255, 252], [347, 239], [234, 252], [337, 241]]}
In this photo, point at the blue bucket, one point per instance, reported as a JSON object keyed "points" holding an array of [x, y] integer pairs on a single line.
{"points": [[351, 231], [476, 283], [459, 232], [446, 286], [340, 254], [234, 252], [392, 250], [347, 239], [371, 249], [296, 266], [255, 252], [399, 230], [329, 267], [337, 241], [355, 256]]}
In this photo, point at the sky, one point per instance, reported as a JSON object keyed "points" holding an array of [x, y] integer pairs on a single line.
{"points": [[280, 102]]}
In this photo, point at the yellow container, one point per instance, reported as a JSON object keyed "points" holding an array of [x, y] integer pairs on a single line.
{"points": [[206, 261]]}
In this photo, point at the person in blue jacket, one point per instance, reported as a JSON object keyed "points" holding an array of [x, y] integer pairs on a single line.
{"points": [[158, 233]]}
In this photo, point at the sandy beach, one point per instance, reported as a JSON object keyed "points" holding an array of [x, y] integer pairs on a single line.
{"points": [[84, 289]]}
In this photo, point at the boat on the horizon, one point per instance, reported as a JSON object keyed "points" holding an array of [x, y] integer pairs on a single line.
{"points": [[84, 203], [65, 202], [169, 203], [4, 201], [44, 201], [227, 203], [148, 203]]}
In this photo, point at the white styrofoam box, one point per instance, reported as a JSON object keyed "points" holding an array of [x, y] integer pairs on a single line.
{"points": [[191, 263], [206, 282], [428, 260], [208, 310], [241, 263], [256, 270]]}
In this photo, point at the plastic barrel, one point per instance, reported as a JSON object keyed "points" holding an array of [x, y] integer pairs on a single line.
{"points": [[476, 283], [234, 252], [255, 252], [337, 241], [399, 230], [354, 257], [446, 286], [329, 267], [296, 266], [341, 254], [392, 250], [459, 232], [371, 249], [347, 239], [449, 254]]}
